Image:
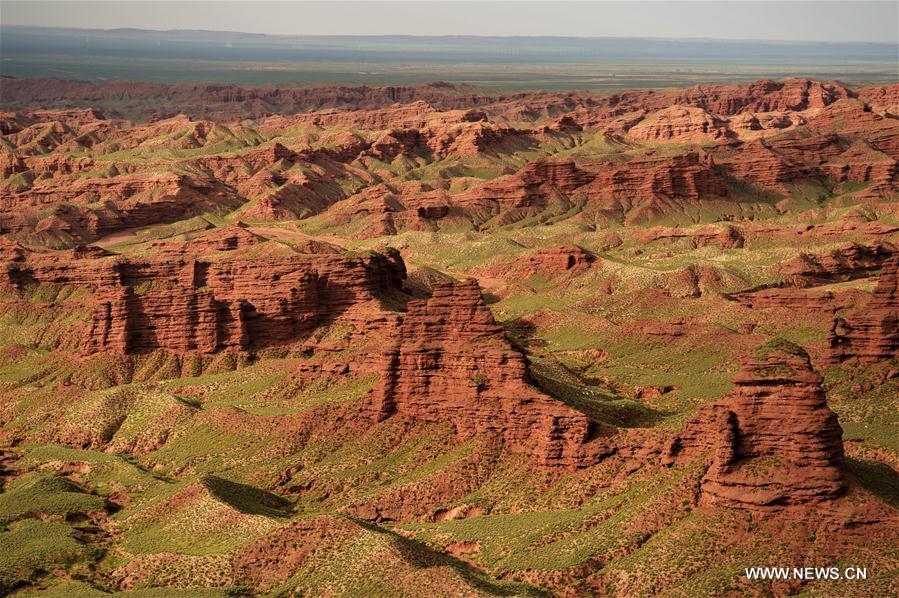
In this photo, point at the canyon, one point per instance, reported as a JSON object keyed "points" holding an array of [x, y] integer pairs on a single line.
{"points": [[71, 197], [494, 343]]}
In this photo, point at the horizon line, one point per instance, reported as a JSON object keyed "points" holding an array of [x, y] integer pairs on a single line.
{"points": [[463, 35]]}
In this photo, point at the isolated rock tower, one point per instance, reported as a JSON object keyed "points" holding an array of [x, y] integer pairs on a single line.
{"points": [[774, 442]]}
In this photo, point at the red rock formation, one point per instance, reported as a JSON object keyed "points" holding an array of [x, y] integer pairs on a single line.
{"points": [[649, 185], [886, 139], [447, 361], [408, 115], [666, 331], [72, 117], [773, 442], [848, 116], [726, 237], [206, 295], [471, 139], [10, 163], [763, 96], [551, 262], [884, 99], [749, 123], [757, 162], [795, 299], [863, 164], [846, 262], [87, 209], [451, 363], [696, 281], [393, 143], [10, 122], [530, 187], [805, 149], [872, 333], [57, 164], [564, 124], [681, 124]]}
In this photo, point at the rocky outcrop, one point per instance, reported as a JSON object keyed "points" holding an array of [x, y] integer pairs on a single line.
{"points": [[649, 185], [773, 443], [872, 333], [452, 364], [757, 124], [757, 162], [418, 114], [530, 187], [10, 163], [445, 360], [884, 99], [791, 298], [472, 139], [846, 262], [861, 163], [682, 124], [90, 208], [726, 237], [810, 150], [550, 263], [209, 295], [763, 96]]}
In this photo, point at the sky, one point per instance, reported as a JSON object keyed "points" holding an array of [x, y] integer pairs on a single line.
{"points": [[804, 20]]}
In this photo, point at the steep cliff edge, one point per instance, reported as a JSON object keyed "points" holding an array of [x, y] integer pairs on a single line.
{"points": [[451, 363], [228, 289], [871, 334]]}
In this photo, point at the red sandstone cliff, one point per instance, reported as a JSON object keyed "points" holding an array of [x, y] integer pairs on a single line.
{"points": [[444, 360], [872, 333], [451, 363], [846, 262], [681, 124], [649, 185], [531, 187], [773, 442], [208, 295]]}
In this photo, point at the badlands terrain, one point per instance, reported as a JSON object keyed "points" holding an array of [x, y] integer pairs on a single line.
{"points": [[419, 341]]}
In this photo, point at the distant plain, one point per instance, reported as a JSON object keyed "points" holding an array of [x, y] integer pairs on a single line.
{"points": [[508, 63]]}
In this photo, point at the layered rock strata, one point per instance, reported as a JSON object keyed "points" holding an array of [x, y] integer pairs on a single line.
{"points": [[681, 124], [444, 360], [846, 262], [451, 363], [773, 442], [183, 300], [872, 333]]}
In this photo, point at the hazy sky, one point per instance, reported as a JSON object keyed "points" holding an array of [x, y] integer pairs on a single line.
{"points": [[846, 20]]}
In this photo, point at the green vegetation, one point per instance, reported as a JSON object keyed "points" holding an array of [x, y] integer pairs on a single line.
{"points": [[35, 494], [32, 546]]}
